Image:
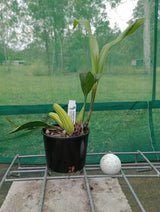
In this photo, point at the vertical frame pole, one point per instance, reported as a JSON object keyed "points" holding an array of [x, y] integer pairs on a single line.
{"points": [[155, 50]]}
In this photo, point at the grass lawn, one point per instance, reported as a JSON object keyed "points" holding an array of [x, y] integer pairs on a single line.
{"points": [[20, 86]]}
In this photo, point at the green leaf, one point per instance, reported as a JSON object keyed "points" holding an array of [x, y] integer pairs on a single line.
{"points": [[87, 81], [11, 122], [80, 116], [133, 27], [76, 22], [94, 48], [31, 125], [83, 22], [104, 52]]}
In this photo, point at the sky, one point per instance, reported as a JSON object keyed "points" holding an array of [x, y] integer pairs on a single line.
{"points": [[121, 14]]}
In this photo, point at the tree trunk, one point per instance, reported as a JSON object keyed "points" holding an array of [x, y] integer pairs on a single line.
{"points": [[61, 53], [47, 50], [6, 57], [146, 37]]}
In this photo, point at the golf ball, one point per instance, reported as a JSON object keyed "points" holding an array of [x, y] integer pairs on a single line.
{"points": [[110, 164]]}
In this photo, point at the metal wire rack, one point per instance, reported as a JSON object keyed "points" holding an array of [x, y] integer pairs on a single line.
{"points": [[137, 169]]}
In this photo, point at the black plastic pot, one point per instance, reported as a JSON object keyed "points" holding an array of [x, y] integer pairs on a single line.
{"points": [[65, 154]]}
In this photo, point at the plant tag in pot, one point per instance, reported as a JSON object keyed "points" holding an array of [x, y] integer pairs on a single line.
{"points": [[72, 110]]}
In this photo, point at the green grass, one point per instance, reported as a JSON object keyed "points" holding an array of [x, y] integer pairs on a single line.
{"points": [[22, 86]]}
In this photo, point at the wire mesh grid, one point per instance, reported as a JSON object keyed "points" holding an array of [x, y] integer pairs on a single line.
{"points": [[137, 169]]}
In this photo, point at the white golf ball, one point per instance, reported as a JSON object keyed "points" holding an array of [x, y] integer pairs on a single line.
{"points": [[110, 164]]}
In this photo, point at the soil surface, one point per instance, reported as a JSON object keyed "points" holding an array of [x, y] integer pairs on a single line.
{"points": [[59, 132]]}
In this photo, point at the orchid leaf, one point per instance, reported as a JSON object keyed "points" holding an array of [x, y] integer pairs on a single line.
{"points": [[11, 122], [104, 52], [98, 59], [87, 81], [94, 48], [83, 22], [31, 125]]}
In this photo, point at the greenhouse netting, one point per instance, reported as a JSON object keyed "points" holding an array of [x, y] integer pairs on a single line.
{"points": [[41, 57]]}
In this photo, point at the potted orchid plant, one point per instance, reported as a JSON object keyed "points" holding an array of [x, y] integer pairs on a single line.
{"points": [[66, 142]]}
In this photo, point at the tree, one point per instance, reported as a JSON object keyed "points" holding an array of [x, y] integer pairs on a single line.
{"points": [[8, 23], [14, 32], [47, 24], [2, 57], [51, 20], [146, 9], [48, 21]]}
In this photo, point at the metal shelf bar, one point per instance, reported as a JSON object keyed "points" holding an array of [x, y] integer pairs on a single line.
{"points": [[135, 166], [123, 153], [43, 191], [133, 192], [5, 175], [26, 171], [155, 169], [88, 191]]}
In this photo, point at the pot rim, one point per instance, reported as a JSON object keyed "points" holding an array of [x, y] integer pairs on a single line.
{"points": [[64, 138]]}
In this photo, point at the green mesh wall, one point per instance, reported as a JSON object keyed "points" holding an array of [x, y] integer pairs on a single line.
{"points": [[40, 61]]}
